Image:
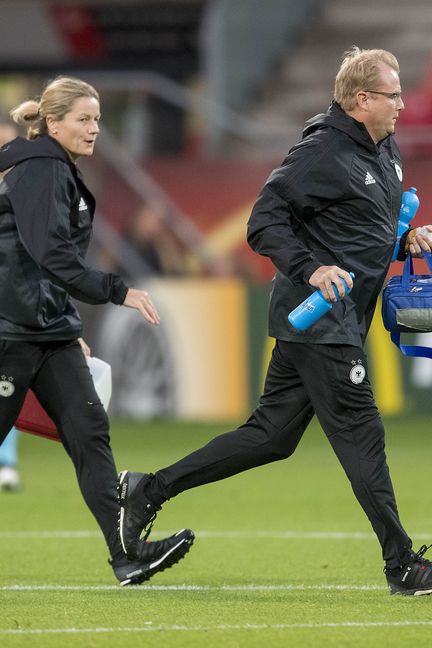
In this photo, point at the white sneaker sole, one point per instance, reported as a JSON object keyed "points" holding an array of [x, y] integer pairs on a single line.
{"points": [[169, 559]]}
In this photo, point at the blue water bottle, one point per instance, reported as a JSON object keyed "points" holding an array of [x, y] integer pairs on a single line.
{"points": [[409, 206], [314, 307]]}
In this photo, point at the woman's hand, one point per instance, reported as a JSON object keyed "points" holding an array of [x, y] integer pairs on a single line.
{"points": [[85, 348], [140, 300]]}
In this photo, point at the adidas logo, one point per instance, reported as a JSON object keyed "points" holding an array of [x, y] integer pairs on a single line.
{"points": [[82, 205], [369, 179]]}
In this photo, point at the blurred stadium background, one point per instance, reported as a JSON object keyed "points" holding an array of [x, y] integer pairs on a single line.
{"points": [[200, 100]]}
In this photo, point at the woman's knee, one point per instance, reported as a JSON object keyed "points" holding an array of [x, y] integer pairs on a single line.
{"points": [[87, 426]]}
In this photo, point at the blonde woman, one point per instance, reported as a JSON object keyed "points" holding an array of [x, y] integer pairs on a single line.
{"points": [[45, 227]]}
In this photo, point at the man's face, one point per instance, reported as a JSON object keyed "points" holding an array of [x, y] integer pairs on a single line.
{"points": [[383, 109]]}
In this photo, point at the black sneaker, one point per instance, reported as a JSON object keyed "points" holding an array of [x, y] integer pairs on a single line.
{"points": [[414, 578], [137, 513], [153, 557]]}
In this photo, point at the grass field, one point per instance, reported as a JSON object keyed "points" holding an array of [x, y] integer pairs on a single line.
{"points": [[283, 556]]}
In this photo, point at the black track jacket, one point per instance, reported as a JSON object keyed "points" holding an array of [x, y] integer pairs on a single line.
{"points": [[334, 201], [46, 214]]}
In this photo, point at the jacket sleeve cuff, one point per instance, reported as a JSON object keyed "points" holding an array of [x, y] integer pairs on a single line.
{"points": [[118, 291], [401, 255], [309, 268]]}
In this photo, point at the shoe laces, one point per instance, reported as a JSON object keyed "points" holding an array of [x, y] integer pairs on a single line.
{"points": [[149, 527], [418, 556], [415, 557]]}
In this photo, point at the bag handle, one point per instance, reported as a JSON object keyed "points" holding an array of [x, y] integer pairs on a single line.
{"points": [[408, 270]]}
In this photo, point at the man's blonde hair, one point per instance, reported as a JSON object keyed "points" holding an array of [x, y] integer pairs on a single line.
{"points": [[360, 70]]}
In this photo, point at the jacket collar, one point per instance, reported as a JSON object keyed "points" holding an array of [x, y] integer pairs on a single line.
{"points": [[337, 118]]}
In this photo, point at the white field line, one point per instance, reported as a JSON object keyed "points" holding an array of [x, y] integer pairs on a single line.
{"points": [[165, 627], [227, 535], [192, 588]]}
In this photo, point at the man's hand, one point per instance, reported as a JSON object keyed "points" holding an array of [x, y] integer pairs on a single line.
{"points": [[419, 240], [325, 276], [140, 300]]}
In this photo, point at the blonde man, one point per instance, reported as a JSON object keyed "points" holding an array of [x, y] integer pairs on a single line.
{"points": [[332, 208]]}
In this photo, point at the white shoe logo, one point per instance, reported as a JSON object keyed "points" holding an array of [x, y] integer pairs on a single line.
{"points": [[369, 179]]}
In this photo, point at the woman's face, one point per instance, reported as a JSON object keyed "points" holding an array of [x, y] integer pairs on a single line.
{"points": [[78, 129]]}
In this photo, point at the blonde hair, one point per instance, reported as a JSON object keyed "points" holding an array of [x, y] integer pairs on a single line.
{"points": [[360, 70], [56, 100]]}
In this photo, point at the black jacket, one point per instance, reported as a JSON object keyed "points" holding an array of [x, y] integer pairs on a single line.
{"points": [[46, 214], [334, 201]]}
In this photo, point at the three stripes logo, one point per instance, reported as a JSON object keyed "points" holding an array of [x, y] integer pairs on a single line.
{"points": [[82, 204], [369, 179]]}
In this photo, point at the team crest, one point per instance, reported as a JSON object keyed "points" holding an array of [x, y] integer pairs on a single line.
{"points": [[7, 387], [357, 373]]}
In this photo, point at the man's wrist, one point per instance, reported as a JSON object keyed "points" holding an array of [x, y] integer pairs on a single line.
{"points": [[309, 268], [409, 235]]}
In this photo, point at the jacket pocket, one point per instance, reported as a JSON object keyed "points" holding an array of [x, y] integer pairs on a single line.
{"points": [[52, 302]]}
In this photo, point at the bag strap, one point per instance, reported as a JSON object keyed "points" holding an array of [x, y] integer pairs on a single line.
{"points": [[408, 271], [409, 349], [428, 258]]}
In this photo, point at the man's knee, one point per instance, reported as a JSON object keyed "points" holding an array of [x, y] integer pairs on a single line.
{"points": [[279, 450], [282, 444], [277, 435]]}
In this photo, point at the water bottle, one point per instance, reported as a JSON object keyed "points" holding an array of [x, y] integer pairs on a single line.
{"points": [[314, 307], [409, 206]]}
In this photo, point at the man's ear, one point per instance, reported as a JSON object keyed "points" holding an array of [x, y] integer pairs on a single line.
{"points": [[362, 100]]}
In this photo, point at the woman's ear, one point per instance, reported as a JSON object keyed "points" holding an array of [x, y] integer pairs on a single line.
{"points": [[51, 125]]}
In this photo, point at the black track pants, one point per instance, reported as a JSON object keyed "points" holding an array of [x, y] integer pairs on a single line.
{"points": [[330, 381], [58, 374]]}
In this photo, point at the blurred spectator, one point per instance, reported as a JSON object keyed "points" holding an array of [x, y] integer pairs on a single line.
{"points": [[9, 476], [147, 246], [149, 236]]}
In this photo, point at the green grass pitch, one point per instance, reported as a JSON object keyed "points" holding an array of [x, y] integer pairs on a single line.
{"points": [[284, 556]]}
